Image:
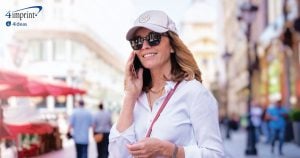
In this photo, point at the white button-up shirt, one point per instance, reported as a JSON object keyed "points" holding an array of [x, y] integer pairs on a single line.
{"points": [[190, 119]]}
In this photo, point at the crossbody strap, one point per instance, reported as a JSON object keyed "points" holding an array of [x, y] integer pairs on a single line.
{"points": [[163, 105]]}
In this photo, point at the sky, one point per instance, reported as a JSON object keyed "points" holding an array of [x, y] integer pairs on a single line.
{"points": [[111, 22]]}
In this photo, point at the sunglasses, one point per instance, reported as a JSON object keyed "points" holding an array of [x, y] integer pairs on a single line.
{"points": [[153, 39]]}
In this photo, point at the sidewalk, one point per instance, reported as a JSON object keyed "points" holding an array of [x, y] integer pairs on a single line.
{"points": [[69, 151], [235, 148]]}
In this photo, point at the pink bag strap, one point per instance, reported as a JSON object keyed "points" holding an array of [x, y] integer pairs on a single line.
{"points": [[163, 105]]}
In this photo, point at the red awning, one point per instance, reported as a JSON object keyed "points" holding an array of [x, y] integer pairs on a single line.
{"points": [[30, 88], [39, 88], [4, 133], [3, 130], [32, 128], [11, 78], [56, 88], [17, 84]]}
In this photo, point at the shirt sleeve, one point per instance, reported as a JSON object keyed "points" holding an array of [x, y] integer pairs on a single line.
{"points": [[91, 120], [204, 118], [118, 141], [71, 120], [94, 120]]}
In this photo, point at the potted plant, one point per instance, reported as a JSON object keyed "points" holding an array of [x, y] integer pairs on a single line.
{"points": [[295, 117]]}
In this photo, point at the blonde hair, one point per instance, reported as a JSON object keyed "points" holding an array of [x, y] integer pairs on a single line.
{"points": [[183, 64], [187, 66]]}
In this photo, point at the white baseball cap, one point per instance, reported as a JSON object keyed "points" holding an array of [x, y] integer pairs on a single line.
{"points": [[154, 20]]}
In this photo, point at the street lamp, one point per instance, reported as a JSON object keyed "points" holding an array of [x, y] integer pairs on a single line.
{"points": [[226, 57], [248, 11]]}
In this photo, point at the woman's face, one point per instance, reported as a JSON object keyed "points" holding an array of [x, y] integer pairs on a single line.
{"points": [[153, 57]]}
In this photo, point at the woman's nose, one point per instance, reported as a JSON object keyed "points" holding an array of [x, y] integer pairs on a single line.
{"points": [[146, 45]]}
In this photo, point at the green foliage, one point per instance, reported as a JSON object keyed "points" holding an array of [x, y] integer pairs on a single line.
{"points": [[295, 114]]}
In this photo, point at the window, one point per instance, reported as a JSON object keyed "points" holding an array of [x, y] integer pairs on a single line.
{"points": [[60, 51], [39, 102], [37, 51], [60, 102]]}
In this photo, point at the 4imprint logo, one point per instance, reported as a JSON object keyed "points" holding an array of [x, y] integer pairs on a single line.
{"points": [[8, 23], [15, 17]]}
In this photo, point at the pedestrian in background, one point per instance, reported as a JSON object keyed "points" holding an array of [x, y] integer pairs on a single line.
{"points": [[232, 123], [81, 121], [265, 126], [277, 115], [256, 114], [152, 122], [102, 125]]}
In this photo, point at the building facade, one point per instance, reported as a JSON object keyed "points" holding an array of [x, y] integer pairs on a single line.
{"points": [[65, 42]]}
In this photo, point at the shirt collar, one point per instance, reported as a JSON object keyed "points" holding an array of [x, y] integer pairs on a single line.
{"points": [[169, 85]]}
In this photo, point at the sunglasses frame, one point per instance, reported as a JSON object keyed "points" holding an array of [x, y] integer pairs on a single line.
{"points": [[153, 39]]}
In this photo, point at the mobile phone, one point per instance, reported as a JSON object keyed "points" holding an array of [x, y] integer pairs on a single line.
{"points": [[136, 63]]}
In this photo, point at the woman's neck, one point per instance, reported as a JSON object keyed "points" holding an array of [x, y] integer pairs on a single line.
{"points": [[158, 79], [158, 76]]}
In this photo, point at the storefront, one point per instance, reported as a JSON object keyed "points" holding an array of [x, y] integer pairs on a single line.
{"points": [[277, 77]]}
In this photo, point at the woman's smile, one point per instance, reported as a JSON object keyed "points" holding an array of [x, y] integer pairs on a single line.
{"points": [[150, 54]]}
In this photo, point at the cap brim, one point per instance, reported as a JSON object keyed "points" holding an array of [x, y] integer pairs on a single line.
{"points": [[155, 28]]}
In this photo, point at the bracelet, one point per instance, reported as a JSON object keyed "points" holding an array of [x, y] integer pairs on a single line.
{"points": [[175, 151]]}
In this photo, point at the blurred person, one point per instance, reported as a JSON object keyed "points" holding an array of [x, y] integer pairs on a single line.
{"points": [[256, 114], [10, 149], [277, 114], [80, 122], [234, 121], [160, 66], [265, 126], [102, 125], [231, 124], [226, 122]]}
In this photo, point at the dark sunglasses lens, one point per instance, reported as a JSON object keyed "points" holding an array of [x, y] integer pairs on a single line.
{"points": [[154, 38], [136, 43]]}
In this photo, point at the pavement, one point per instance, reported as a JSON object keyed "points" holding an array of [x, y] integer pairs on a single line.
{"points": [[234, 148], [68, 150]]}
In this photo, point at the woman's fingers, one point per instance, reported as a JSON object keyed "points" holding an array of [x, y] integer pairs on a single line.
{"points": [[131, 57], [131, 71], [129, 64], [133, 80], [134, 147], [138, 150], [140, 73]]}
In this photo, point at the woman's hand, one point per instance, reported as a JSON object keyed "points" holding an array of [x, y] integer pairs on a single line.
{"points": [[150, 147], [133, 79], [132, 86]]}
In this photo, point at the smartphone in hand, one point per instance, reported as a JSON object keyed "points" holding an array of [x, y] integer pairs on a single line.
{"points": [[136, 65]]}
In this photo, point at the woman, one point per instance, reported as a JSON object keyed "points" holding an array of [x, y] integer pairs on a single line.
{"points": [[188, 125]]}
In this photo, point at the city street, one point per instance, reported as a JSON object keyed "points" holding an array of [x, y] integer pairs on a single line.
{"points": [[69, 151], [67, 66], [234, 148]]}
